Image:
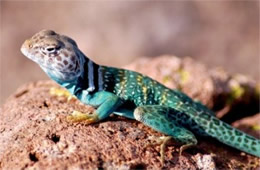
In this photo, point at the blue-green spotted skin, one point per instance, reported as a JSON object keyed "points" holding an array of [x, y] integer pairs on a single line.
{"points": [[130, 94]]}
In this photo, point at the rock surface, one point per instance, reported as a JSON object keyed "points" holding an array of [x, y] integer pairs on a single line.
{"points": [[36, 134]]}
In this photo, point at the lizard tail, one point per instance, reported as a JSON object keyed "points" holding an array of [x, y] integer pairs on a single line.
{"points": [[229, 135]]}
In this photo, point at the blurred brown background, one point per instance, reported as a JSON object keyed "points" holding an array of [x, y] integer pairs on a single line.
{"points": [[218, 33]]}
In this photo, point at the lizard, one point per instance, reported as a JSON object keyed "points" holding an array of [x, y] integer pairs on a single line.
{"points": [[129, 94]]}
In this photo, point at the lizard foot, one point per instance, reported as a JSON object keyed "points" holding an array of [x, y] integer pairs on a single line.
{"points": [[77, 116], [61, 92], [163, 141]]}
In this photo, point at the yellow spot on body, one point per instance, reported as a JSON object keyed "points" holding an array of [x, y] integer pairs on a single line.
{"points": [[121, 71], [121, 85], [179, 105], [145, 93], [164, 98], [121, 80], [139, 78]]}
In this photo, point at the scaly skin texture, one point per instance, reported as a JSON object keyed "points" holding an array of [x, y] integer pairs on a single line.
{"points": [[129, 94]]}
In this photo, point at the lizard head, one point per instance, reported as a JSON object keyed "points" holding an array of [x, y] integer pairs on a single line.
{"points": [[57, 55]]}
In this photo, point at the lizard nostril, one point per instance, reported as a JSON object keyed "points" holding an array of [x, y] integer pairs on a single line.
{"points": [[28, 44]]}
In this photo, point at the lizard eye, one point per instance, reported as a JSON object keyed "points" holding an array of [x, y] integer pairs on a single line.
{"points": [[51, 49]]}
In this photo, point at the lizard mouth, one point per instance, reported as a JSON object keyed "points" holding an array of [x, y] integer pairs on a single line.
{"points": [[24, 51]]}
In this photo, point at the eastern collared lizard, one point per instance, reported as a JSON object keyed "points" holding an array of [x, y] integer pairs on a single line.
{"points": [[129, 94]]}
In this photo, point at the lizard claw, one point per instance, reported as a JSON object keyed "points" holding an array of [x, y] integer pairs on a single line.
{"points": [[62, 92], [77, 116], [184, 147], [162, 141]]}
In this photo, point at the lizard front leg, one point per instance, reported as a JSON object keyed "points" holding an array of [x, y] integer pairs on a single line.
{"points": [[157, 117], [105, 102]]}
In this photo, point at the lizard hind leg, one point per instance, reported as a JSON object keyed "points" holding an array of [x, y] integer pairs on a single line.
{"points": [[157, 117]]}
